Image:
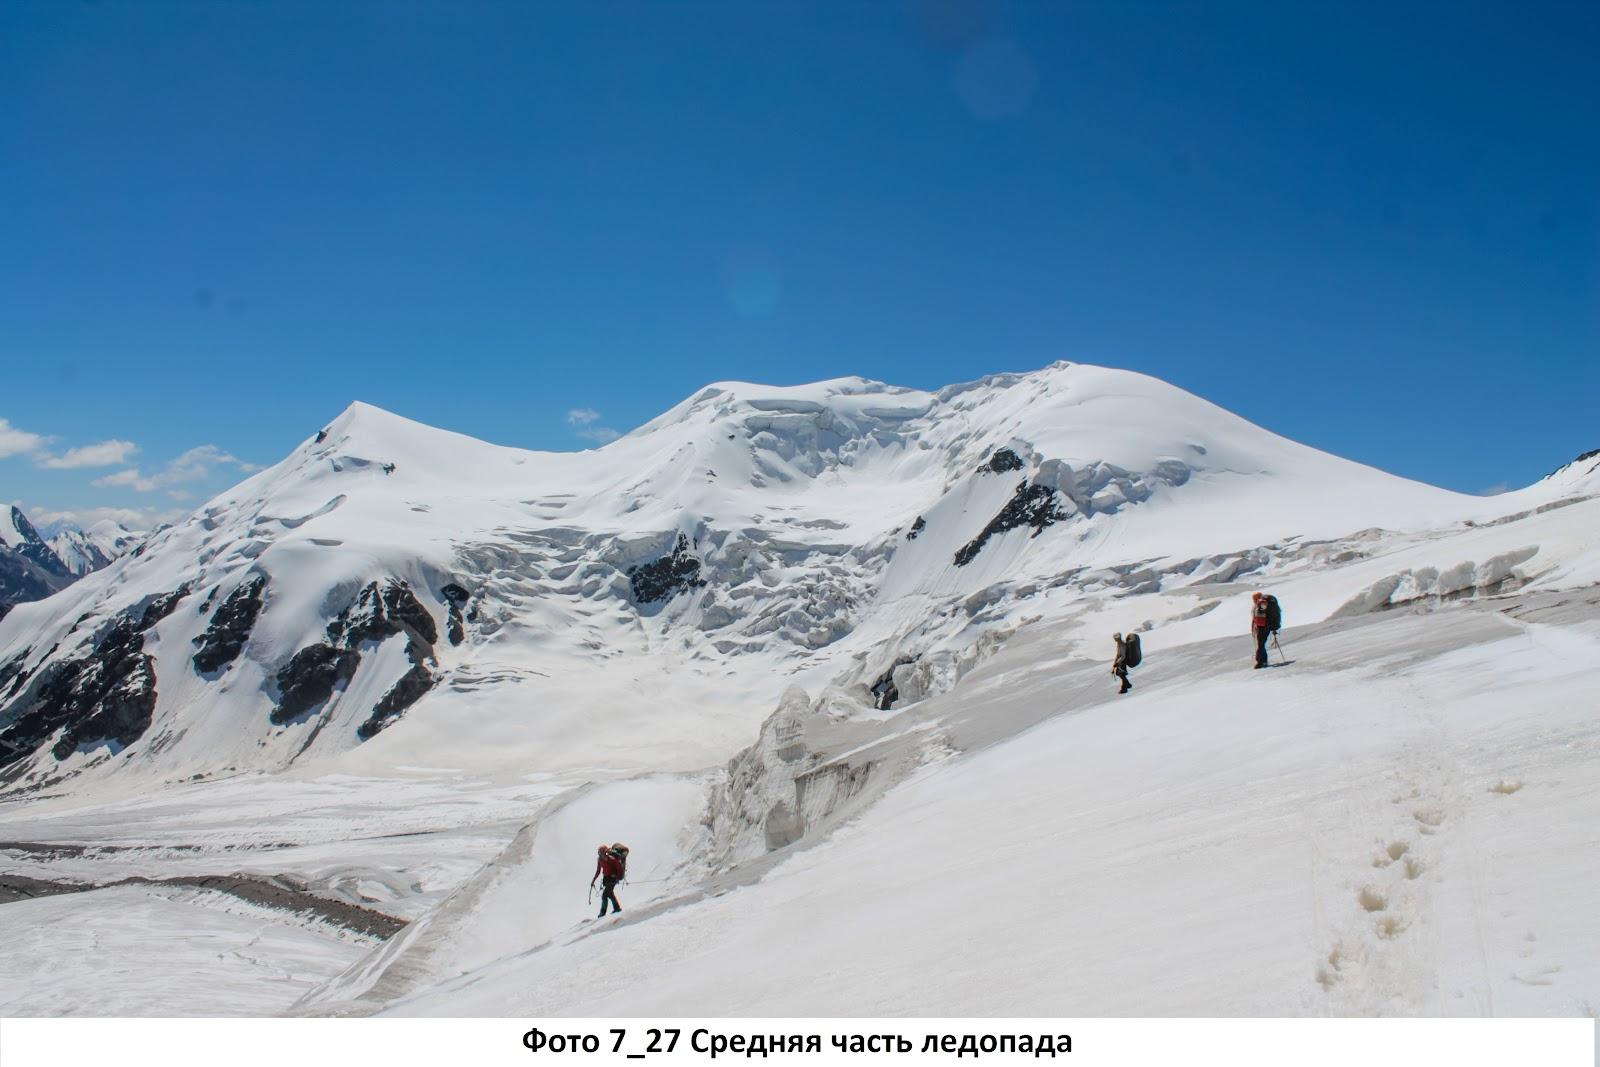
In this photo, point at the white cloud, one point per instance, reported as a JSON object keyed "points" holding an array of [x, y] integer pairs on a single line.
{"points": [[15, 442], [129, 479], [83, 518], [583, 421], [193, 466], [101, 454]]}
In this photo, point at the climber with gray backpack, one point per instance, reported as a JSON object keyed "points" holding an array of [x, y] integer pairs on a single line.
{"points": [[1128, 655], [1266, 619]]}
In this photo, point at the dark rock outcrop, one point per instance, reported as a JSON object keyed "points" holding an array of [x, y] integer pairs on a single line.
{"points": [[122, 713], [380, 611], [36, 549], [30, 569], [1031, 505], [404, 693], [1003, 460], [308, 679], [162, 606], [676, 572], [106, 693], [1584, 457], [455, 625], [11, 672], [230, 627], [916, 528]]}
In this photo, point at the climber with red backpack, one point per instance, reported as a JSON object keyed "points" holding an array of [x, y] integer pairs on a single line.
{"points": [[611, 867], [1266, 618]]}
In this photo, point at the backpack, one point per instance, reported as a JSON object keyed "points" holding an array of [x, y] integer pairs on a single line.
{"points": [[1130, 651], [1274, 613]]}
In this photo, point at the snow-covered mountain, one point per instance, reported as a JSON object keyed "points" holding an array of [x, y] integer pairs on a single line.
{"points": [[29, 566], [34, 566], [777, 635], [86, 551], [387, 576], [390, 576]]}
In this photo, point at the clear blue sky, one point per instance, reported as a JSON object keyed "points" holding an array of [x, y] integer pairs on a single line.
{"points": [[1371, 227]]}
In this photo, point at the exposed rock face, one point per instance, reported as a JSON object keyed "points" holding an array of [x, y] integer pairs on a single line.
{"points": [[162, 606], [404, 693], [123, 711], [674, 573], [107, 694], [1003, 460], [12, 674], [25, 541], [230, 627], [1582, 457], [29, 567], [1032, 505], [308, 679], [380, 611], [916, 528], [22, 580], [455, 626]]}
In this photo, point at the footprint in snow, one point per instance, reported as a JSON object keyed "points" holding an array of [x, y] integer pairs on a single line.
{"points": [[1428, 819]]}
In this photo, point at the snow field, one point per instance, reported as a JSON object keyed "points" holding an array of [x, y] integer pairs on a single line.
{"points": [[1345, 836]]}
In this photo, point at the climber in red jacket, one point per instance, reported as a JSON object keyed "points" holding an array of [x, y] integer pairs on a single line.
{"points": [[611, 867]]}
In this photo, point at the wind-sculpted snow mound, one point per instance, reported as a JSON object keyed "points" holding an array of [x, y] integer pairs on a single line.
{"points": [[642, 605]]}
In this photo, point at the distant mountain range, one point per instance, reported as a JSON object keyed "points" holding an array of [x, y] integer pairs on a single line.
{"points": [[33, 566]]}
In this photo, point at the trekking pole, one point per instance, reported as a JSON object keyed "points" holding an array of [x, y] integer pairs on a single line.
{"points": [[591, 892], [1279, 647]]}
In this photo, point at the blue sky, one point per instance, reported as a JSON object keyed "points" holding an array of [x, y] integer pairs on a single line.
{"points": [[1370, 227]]}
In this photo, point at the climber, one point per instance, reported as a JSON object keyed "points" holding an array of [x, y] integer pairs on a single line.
{"points": [[1265, 619], [1128, 655], [611, 867]]}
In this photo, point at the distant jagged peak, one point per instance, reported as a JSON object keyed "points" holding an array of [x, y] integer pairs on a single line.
{"points": [[16, 530]]}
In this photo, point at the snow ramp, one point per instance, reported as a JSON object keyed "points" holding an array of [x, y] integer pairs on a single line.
{"points": [[533, 892]]}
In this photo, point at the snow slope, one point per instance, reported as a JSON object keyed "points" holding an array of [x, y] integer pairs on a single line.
{"points": [[1400, 822], [831, 658]]}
